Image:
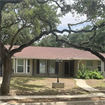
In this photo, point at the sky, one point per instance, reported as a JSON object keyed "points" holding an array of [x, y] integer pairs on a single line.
{"points": [[68, 18], [71, 20]]}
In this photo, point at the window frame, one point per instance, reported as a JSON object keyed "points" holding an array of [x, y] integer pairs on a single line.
{"points": [[50, 66], [20, 65], [42, 67]]}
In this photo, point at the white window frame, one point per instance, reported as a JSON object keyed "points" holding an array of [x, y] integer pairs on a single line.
{"points": [[20, 65], [42, 67], [28, 66]]}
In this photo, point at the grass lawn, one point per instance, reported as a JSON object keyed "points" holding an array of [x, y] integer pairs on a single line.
{"points": [[96, 83], [43, 86]]}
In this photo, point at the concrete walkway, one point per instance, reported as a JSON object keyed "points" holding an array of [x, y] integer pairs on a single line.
{"points": [[82, 83]]}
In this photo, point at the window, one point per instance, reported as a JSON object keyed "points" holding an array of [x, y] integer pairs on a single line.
{"points": [[42, 66], [28, 66], [99, 65], [20, 65], [89, 63], [51, 66]]}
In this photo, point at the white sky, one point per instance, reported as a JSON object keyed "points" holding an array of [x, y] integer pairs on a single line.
{"points": [[68, 18], [72, 20]]}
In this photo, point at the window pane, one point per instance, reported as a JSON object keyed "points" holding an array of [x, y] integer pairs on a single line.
{"points": [[20, 62], [42, 63], [42, 66], [99, 62], [28, 62], [99, 68], [89, 63], [51, 67], [28, 69], [20, 69], [42, 70]]}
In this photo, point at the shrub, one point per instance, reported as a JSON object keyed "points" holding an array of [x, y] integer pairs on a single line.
{"points": [[89, 74]]}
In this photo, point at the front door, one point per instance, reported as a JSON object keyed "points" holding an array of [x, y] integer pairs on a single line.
{"points": [[66, 71], [0, 69]]}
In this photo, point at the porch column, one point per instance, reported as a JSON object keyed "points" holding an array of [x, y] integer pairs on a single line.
{"points": [[102, 66], [76, 67]]}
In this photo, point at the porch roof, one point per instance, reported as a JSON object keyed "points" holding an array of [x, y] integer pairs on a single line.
{"points": [[33, 52]]}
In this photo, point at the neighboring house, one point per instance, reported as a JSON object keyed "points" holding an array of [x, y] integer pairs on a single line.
{"points": [[40, 61]]}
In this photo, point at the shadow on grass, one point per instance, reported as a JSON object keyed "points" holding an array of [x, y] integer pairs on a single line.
{"points": [[20, 84], [21, 87], [52, 91]]}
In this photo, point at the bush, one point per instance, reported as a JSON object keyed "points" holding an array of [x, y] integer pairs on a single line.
{"points": [[89, 74]]}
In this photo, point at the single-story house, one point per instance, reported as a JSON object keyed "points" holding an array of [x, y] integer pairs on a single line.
{"points": [[41, 61]]}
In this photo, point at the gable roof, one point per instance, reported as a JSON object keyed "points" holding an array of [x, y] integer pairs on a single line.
{"points": [[34, 52]]}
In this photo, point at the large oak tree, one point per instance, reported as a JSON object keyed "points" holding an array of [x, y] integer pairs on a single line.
{"points": [[38, 18], [25, 22]]}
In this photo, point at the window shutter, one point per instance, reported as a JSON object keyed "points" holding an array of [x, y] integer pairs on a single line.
{"points": [[37, 71]]}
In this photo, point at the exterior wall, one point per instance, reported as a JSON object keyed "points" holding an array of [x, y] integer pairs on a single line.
{"points": [[77, 63], [95, 64], [33, 70]]}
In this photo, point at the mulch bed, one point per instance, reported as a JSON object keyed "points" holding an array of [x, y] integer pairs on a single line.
{"points": [[13, 101]]}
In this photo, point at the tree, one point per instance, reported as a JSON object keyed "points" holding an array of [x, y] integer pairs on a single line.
{"points": [[97, 43], [31, 16], [28, 15], [94, 10], [50, 41]]}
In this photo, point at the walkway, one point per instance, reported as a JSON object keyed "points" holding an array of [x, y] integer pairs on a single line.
{"points": [[81, 83]]}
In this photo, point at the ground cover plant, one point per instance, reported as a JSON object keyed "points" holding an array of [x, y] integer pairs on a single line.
{"points": [[85, 73]]}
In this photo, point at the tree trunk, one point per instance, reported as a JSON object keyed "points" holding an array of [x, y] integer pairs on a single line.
{"points": [[7, 73]]}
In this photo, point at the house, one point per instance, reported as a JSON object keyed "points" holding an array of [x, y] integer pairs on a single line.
{"points": [[41, 61]]}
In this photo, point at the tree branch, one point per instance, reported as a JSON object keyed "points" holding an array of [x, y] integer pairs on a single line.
{"points": [[86, 42], [10, 25], [10, 1], [58, 31], [19, 49], [80, 47], [42, 2], [12, 40]]}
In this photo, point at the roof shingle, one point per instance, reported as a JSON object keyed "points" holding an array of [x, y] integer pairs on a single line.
{"points": [[33, 52]]}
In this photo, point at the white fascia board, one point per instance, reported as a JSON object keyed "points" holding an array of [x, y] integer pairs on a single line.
{"points": [[42, 58], [86, 59]]}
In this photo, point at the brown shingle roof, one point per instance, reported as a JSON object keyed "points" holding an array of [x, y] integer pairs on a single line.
{"points": [[53, 53]]}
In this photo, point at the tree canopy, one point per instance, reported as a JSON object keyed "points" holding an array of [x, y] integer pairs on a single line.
{"points": [[22, 22]]}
